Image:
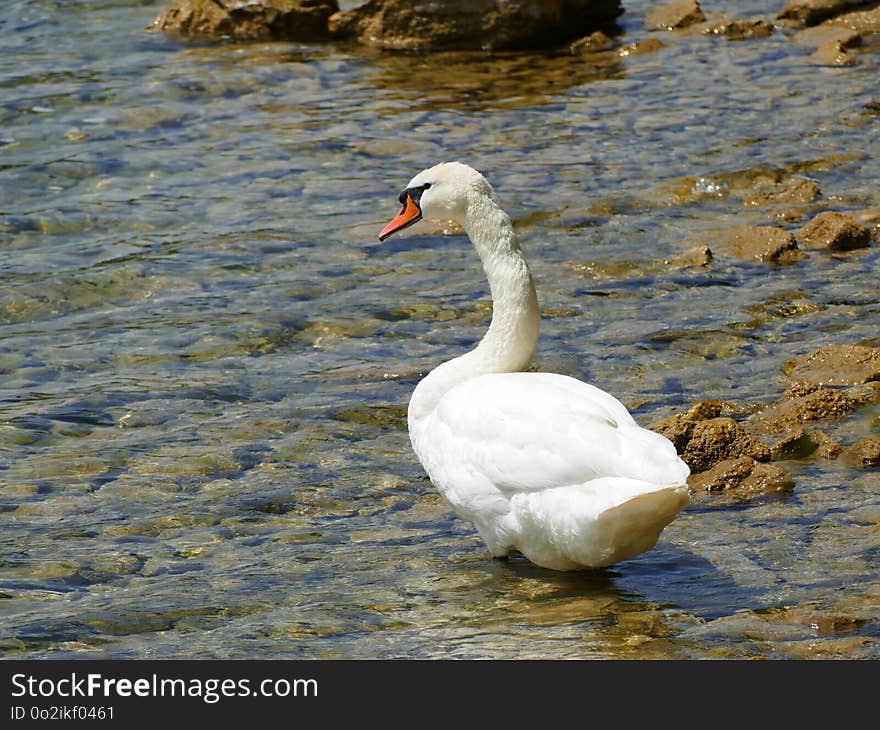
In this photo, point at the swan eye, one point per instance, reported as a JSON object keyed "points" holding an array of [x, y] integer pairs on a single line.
{"points": [[415, 193]]}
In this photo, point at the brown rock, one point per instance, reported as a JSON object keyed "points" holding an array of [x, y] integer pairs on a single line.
{"points": [[678, 428], [764, 243], [737, 30], [820, 404], [865, 22], [834, 231], [592, 43], [675, 15], [800, 388], [717, 439], [295, 20], [796, 190], [703, 438], [741, 479], [865, 453], [836, 365], [474, 24], [811, 12], [649, 45]]}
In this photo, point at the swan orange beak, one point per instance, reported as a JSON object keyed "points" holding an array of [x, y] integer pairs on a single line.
{"points": [[410, 213]]}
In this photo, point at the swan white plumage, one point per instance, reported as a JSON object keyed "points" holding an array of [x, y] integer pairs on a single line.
{"points": [[540, 462]]}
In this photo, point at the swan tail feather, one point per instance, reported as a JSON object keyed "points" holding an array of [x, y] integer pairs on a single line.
{"points": [[595, 524]]}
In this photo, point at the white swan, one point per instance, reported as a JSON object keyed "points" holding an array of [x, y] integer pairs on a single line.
{"points": [[540, 462]]}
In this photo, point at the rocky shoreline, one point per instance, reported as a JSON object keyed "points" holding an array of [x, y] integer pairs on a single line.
{"points": [[734, 453], [832, 28], [394, 24]]}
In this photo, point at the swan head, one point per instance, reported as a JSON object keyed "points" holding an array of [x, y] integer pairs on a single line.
{"points": [[443, 191]]}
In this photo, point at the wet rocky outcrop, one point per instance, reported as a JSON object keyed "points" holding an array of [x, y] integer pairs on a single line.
{"points": [[756, 187], [474, 24], [733, 456], [727, 463], [735, 480], [834, 231], [704, 436], [675, 15], [295, 20], [832, 27], [835, 365], [803, 404], [864, 20]]}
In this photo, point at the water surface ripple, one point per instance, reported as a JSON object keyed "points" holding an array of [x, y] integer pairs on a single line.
{"points": [[205, 356]]}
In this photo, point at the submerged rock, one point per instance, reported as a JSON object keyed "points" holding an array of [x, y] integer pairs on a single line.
{"points": [[798, 443], [836, 365], [742, 479], [474, 24], [765, 243], [794, 190], [828, 448], [795, 444], [785, 627], [295, 20], [675, 15], [834, 231]]}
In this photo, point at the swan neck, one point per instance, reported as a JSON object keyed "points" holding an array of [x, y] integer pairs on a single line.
{"points": [[510, 341]]}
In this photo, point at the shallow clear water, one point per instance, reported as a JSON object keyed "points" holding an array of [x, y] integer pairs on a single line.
{"points": [[205, 356]]}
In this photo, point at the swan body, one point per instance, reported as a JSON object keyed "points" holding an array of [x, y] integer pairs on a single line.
{"points": [[540, 462]]}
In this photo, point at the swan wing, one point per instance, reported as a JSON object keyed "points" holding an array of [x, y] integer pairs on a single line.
{"points": [[527, 432]]}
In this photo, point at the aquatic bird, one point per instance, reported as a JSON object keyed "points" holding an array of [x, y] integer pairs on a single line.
{"points": [[539, 462]]}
